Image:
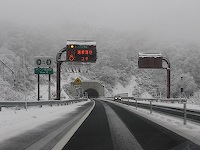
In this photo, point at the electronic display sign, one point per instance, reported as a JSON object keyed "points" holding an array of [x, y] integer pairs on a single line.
{"points": [[81, 51], [152, 61]]}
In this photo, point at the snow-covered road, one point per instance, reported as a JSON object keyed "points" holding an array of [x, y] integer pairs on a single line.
{"points": [[14, 122]]}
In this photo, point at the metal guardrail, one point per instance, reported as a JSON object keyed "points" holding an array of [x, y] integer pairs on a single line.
{"points": [[37, 103], [191, 114], [155, 99]]}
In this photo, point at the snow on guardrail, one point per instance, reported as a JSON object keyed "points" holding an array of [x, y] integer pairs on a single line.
{"points": [[37, 103]]}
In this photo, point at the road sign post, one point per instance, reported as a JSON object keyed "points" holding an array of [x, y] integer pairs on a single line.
{"points": [[168, 76], [43, 65], [58, 66], [49, 96], [154, 61], [38, 87]]}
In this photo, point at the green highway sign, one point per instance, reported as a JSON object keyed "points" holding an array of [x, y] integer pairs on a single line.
{"points": [[43, 70]]}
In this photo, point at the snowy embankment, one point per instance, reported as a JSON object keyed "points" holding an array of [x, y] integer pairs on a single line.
{"points": [[169, 104], [15, 122], [119, 88], [190, 131]]}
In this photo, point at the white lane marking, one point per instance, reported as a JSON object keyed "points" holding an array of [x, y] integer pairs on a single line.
{"points": [[67, 137], [121, 135]]}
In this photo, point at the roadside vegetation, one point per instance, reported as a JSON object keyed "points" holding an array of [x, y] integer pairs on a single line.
{"points": [[117, 59]]}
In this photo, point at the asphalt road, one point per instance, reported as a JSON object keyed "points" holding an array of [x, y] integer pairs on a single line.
{"points": [[110, 127], [94, 133]]}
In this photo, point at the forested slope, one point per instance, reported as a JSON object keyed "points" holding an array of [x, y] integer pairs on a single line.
{"points": [[117, 57]]}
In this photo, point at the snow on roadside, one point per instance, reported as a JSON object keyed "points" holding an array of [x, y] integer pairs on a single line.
{"points": [[173, 105], [119, 88], [145, 95], [15, 122], [44, 89], [190, 131]]}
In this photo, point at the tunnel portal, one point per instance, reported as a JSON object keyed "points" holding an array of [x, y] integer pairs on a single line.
{"points": [[94, 89], [92, 93]]}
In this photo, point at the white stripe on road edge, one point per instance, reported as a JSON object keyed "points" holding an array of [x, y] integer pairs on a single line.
{"points": [[121, 136], [67, 137]]}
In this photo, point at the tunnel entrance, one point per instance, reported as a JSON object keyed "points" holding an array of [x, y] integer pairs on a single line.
{"points": [[92, 93]]}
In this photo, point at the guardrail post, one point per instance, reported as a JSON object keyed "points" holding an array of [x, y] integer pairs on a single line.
{"points": [[150, 107], [0, 108], [185, 113], [136, 104], [128, 101]]}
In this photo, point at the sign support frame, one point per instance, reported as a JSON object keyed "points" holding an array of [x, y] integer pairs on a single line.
{"points": [[58, 70], [38, 86], [168, 68], [58, 65], [168, 76], [49, 95]]}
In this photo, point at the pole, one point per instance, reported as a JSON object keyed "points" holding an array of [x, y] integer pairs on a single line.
{"points": [[185, 113], [150, 107], [49, 96], [168, 76], [24, 83], [38, 86], [58, 81], [160, 94], [3, 74], [136, 104], [168, 82], [58, 64], [181, 87], [14, 80], [4, 65]]}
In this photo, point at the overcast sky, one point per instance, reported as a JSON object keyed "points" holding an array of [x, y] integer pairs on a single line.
{"points": [[170, 17]]}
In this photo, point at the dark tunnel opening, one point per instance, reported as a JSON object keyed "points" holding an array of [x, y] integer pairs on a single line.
{"points": [[92, 93]]}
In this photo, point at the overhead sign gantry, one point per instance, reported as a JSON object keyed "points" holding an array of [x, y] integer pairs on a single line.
{"points": [[83, 51], [154, 61]]}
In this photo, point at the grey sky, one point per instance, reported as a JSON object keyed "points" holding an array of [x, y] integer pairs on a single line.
{"points": [[169, 17]]}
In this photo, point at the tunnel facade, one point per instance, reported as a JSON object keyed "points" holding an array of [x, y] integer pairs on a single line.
{"points": [[93, 89]]}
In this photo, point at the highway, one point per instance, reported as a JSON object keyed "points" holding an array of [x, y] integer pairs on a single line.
{"points": [[110, 127]]}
